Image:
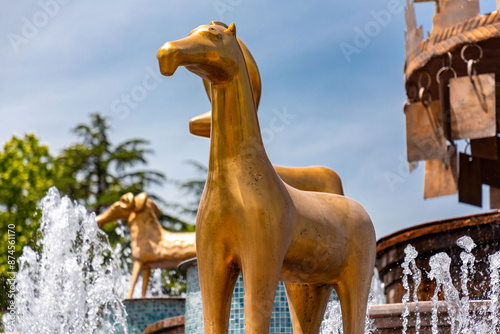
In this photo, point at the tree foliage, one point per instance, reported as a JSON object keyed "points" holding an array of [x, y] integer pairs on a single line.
{"points": [[27, 171], [103, 171], [194, 188], [93, 171], [97, 173]]}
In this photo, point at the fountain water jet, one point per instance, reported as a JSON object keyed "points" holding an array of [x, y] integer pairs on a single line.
{"points": [[466, 269], [471, 270], [494, 260], [463, 315], [440, 271], [332, 321], [71, 286], [410, 268]]}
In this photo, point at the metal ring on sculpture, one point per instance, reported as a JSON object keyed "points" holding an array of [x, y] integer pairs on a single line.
{"points": [[465, 47], [444, 69]]}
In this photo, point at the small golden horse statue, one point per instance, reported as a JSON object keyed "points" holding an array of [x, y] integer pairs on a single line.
{"points": [[250, 221], [316, 178], [152, 245]]}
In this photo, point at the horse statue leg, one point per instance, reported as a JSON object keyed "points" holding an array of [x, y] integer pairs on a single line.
{"points": [[260, 280], [353, 290], [217, 281], [146, 272], [307, 304]]}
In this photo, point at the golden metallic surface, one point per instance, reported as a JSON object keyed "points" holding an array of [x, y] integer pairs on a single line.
{"points": [[253, 71], [250, 221], [304, 178], [315, 178], [152, 245], [200, 125]]}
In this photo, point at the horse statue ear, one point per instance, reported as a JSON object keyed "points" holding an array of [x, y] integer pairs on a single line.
{"points": [[231, 30], [127, 201], [218, 23], [140, 201]]}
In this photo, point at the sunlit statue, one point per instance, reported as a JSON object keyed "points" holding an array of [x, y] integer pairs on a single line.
{"points": [[152, 245], [304, 178], [250, 221]]}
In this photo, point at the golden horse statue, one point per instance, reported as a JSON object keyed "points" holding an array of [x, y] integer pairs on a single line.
{"points": [[152, 245], [250, 221], [315, 178]]}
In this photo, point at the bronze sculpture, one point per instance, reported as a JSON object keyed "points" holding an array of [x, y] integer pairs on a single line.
{"points": [[249, 220], [152, 245], [451, 86]]}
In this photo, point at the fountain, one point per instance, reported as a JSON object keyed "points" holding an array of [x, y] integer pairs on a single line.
{"points": [[463, 314], [66, 288], [410, 269], [450, 269], [438, 277], [152, 247], [72, 285], [451, 93], [438, 291], [407, 284]]}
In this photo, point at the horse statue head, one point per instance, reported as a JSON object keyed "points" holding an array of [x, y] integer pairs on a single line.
{"points": [[210, 51]]}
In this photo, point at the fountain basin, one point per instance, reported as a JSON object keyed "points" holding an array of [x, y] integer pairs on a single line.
{"points": [[388, 319], [142, 312], [439, 236], [167, 326]]}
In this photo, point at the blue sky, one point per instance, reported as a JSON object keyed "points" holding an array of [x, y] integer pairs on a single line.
{"points": [[335, 67]]}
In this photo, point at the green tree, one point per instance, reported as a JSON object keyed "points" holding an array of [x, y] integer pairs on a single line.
{"points": [[27, 171], [103, 171], [92, 171]]}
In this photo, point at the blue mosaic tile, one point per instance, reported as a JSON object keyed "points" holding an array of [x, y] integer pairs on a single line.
{"points": [[280, 319], [146, 311]]}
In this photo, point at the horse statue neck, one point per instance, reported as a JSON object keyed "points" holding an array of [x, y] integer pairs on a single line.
{"points": [[235, 126]]}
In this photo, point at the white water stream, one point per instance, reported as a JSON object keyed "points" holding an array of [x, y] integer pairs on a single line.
{"points": [[72, 285]]}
